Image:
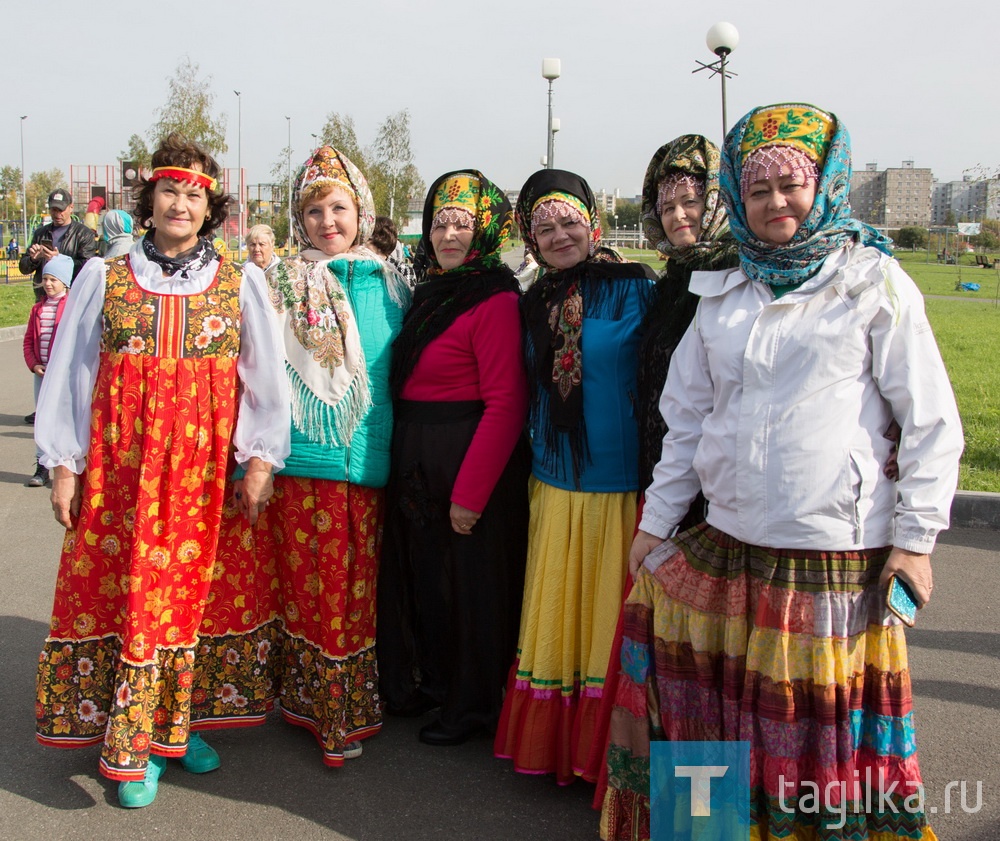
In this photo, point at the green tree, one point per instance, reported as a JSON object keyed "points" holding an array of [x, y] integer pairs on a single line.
{"points": [[38, 187], [911, 238], [188, 110], [10, 186], [950, 219], [387, 163], [988, 238], [338, 131], [137, 151], [393, 176], [627, 213]]}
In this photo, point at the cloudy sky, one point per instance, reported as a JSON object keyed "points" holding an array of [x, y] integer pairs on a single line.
{"points": [[911, 80]]}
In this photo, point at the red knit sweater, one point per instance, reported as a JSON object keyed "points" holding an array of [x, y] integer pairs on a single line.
{"points": [[479, 358]]}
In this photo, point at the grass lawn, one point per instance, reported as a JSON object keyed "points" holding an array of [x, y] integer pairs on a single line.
{"points": [[934, 278], [967, 331], [15, 303], [968, 334]]}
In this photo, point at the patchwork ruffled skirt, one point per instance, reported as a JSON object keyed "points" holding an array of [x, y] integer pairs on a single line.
{"points": [[792, 651]]}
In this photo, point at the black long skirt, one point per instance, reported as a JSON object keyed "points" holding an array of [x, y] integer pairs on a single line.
{"points": [[448, 604]]}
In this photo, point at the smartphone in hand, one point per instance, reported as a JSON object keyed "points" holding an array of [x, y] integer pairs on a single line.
{"points": [[900, 601]]}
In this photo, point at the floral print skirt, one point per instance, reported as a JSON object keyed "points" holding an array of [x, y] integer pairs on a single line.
{"points": [[125, 664], [323, 539]]}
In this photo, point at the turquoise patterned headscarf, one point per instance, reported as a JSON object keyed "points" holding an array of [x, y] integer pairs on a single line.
{"points": [[828, 227]]}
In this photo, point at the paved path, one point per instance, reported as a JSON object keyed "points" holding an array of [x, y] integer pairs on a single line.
{"points": [[273, 785]]}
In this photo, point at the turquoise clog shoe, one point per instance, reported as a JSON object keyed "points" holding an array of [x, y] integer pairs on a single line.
{"points": [[200, 758], [135, 794]]}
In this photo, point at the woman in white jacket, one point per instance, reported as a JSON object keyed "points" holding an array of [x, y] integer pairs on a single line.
{"points": [[768, 623]]}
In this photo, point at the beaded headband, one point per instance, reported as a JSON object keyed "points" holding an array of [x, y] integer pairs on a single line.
{"points": [[556, 206], [672, 183], [189, 176], [776, 160], [457, 216]]}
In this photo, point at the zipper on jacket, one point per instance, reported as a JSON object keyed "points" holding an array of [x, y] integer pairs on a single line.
{"points": [[350, 298], [858, 496]]}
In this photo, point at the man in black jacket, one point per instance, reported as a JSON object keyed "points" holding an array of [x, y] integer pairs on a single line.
{"points": [[61, 236]]}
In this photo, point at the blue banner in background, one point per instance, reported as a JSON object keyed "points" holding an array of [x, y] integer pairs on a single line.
{"points": [[699, 790]]}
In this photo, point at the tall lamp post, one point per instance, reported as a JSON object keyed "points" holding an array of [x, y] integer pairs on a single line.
{"points": [[239, 168], [556, 125], [289, 167], [722, 39], [551, 69], [24, 195]]}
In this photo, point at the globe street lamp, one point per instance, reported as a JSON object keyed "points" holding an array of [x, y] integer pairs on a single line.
{"points": [[721, 39], [551, 69]]}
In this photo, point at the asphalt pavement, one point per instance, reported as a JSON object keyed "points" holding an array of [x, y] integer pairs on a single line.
{"points": [[273, 784]]}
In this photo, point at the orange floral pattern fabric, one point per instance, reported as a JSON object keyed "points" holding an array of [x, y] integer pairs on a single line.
{"points": [[123, 657], [323, 538]]}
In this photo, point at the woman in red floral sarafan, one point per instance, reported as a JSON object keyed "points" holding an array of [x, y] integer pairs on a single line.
{"points": [[166, 366], [339, 306]]}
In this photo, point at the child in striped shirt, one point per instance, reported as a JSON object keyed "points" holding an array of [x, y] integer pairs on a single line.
{"points": [[57, 275]]}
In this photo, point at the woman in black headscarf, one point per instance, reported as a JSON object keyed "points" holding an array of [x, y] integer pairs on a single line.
{"points": [[452, 568], [582, 319]]}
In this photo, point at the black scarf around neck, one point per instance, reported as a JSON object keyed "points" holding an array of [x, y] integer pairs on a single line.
{"points": [[197, 257], [437, 302]]}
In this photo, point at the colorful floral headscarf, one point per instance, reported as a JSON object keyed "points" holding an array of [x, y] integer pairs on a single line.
{"points": [[328, 165], [327, 371], [828, 226], [469, 191], [688, 155], [444, 295]]}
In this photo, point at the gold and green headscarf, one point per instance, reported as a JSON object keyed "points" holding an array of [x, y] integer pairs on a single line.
{"points": [[461, 194]]}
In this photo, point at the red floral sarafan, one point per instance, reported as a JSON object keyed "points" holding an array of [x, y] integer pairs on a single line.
{"points": [[137, 571]]}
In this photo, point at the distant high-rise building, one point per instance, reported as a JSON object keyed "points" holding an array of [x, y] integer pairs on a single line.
{"points": [[971, 200], [896, 197]]}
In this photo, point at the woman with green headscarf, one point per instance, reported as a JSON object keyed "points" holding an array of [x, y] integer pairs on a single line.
{"points": [[451, 574]]}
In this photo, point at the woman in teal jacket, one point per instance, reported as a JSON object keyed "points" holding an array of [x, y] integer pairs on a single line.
{"points": [[339, 308]]}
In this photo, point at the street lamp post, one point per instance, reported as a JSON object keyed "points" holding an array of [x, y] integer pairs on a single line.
{"points": [[551, 69], [289, 167], [556, 124], [721, 39], [239, 168], [24, 195], [616, 230]]}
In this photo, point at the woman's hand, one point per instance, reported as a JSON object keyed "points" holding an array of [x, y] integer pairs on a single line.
{"points": [[642, 545], [39, 369], [914, 569], [462, 519], [67, 493], [255, 489]]}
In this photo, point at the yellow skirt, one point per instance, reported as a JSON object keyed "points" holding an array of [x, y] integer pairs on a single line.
{"points": [[578, 547]]}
